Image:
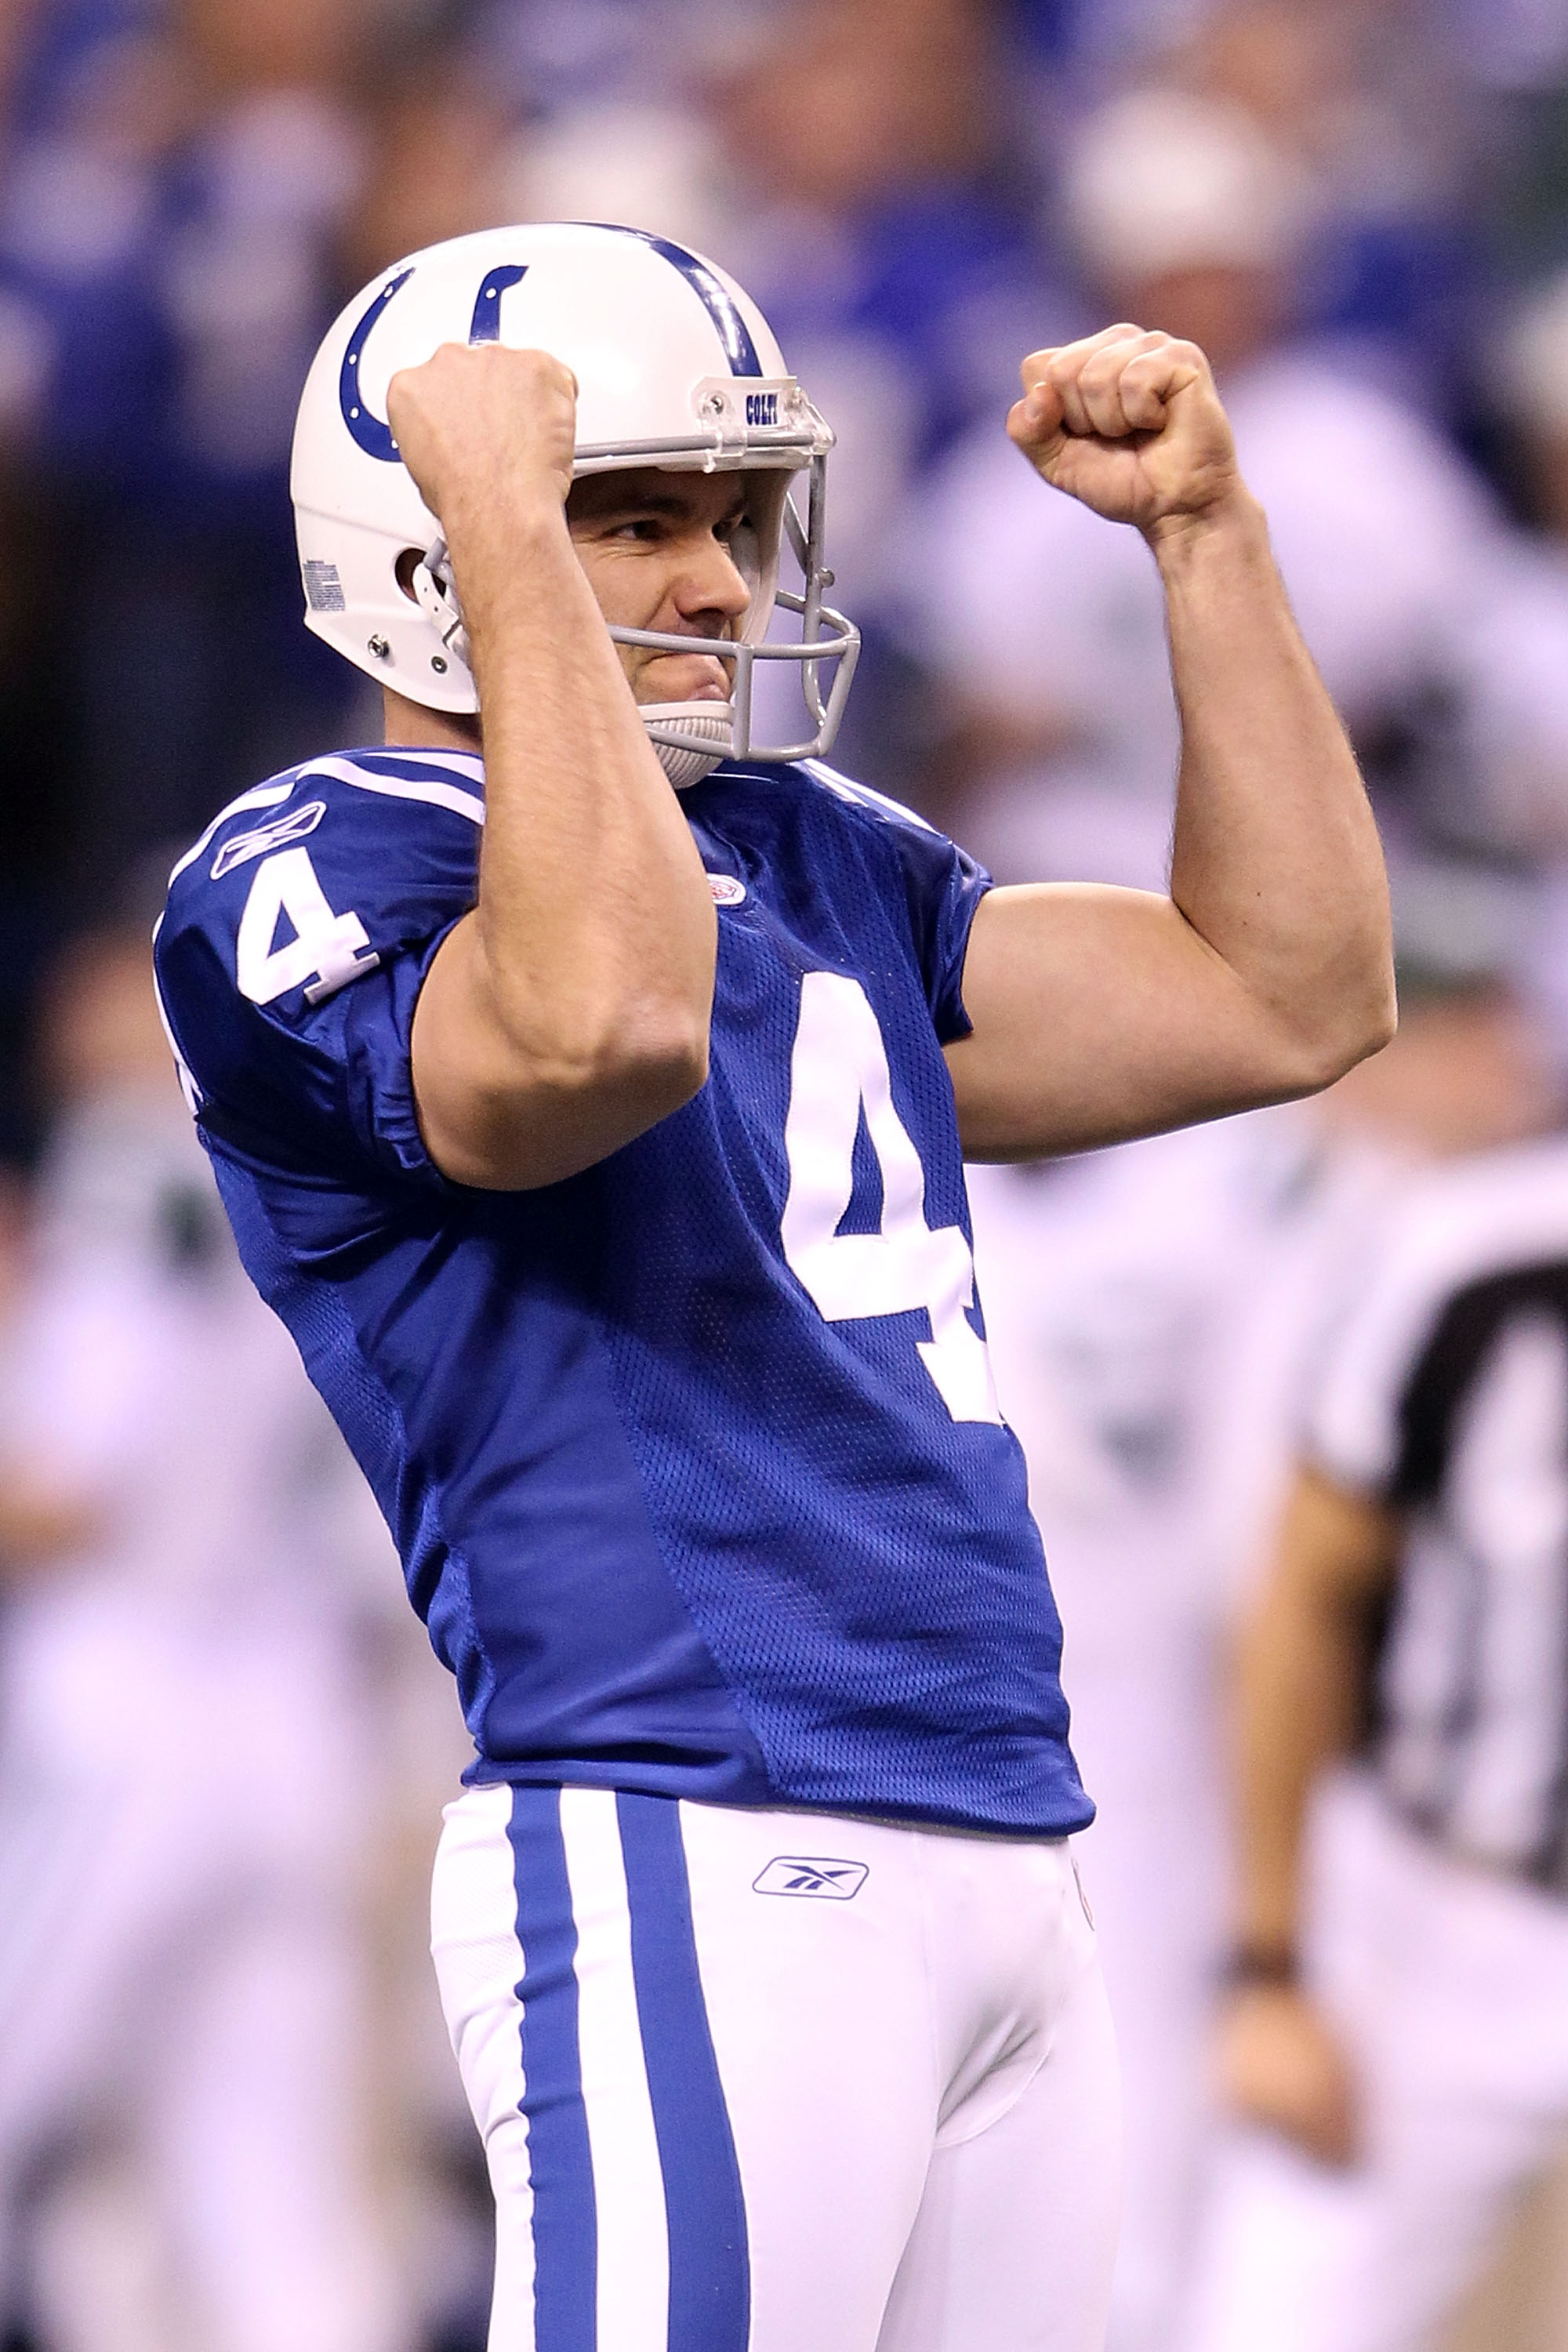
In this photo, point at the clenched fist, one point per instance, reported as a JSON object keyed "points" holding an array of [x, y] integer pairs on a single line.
{"points": [[481, 422], [1130, 423]]}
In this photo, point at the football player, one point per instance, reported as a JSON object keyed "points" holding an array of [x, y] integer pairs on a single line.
{"points": [[601, 1143]]}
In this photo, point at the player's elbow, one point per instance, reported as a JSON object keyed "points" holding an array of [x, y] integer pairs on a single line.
{"points": [[1380, 1019], [1364, 1013], [648, 1058], [519, 1117], [520, 1086], [601, 1033], [658, 1058], [1341, 1026]]}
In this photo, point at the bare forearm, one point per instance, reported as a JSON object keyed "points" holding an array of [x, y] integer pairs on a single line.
{"points": [[1276, 862], [1298, 1714], [569, 1012], [593, 916], [1306, 1656]]}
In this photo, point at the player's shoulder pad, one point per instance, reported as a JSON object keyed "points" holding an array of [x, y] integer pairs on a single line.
{"points": [[870, 804], [353, 788], [357, 854], [908, 861], [393, 833], [825, 785]]}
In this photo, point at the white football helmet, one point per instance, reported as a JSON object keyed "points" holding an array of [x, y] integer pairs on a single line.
{"points": [[675, 366]]}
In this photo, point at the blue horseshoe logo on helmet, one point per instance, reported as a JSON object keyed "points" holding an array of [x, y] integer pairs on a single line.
{"points": [[370, 433], [485, 326]]}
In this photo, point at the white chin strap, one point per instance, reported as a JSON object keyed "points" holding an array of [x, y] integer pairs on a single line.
{"points": [[711, 722]]}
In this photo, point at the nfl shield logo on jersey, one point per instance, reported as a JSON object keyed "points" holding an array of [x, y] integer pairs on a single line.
{"points": [[794, 1874]]}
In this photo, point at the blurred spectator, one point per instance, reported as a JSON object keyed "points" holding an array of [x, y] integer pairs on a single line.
{"points": [[562, 58], [1154, 1404], [1047, 621], [1397, 2003], [882, 221], [657, 168], [189, 189], [1511, 641], [164, 231], [1380, 104], [434, 148], [1533, 394], [185, 1797]]}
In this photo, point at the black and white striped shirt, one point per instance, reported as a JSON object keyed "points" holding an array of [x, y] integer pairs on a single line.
{"points": [[1445, 1394]]}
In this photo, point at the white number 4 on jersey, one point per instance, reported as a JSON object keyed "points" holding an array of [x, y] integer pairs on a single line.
{"points": [[840, 1067], [324, 952]]}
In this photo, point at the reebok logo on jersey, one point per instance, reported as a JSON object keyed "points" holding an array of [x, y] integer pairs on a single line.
{"points": [[795, 1873], [727, 891], [245, 845]]}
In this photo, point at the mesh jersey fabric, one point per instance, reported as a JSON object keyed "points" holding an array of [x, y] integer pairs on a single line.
{"points": [[671, 1528]]}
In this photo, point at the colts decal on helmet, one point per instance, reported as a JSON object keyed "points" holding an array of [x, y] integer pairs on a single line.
{"points": [[714, 296], [372, 435], [485, 325], [375, 437]]}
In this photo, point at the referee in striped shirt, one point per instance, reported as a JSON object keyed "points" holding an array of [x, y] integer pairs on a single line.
{"points": [[1394, 2035]]}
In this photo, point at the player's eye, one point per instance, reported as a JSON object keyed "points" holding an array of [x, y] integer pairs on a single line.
{"points": [[647, 530]]}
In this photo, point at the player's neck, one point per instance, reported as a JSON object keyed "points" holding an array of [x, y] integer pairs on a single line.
{"points": [[437, 730]]}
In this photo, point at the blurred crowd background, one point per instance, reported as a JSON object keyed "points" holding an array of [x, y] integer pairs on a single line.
{"points": [[227, 2122]]}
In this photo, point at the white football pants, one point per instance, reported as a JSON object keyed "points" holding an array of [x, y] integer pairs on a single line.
{"points": [[778, 2081]]}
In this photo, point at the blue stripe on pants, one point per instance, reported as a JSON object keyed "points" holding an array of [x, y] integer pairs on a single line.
{"points": [[709, 2271], [566, 2225]]}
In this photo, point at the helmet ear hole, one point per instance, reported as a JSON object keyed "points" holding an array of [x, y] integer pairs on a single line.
{"points": [[404, 571]]}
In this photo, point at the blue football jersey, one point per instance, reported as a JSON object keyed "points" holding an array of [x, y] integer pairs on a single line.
{"points": [[692, 1460]]}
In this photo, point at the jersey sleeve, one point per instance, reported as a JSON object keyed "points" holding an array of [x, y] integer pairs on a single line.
{"points": [[942, 887], [1354, 1431], [945, 886], [291, 954]]}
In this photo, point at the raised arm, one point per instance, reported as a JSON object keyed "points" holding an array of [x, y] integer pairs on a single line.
{"points": [[1102, 1013], [570, 1011]]}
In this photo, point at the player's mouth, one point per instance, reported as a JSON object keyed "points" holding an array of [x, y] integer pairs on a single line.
{"points": [[684, 677]]}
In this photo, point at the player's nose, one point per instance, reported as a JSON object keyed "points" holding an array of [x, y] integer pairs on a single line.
{"points": [[710, 581]]}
